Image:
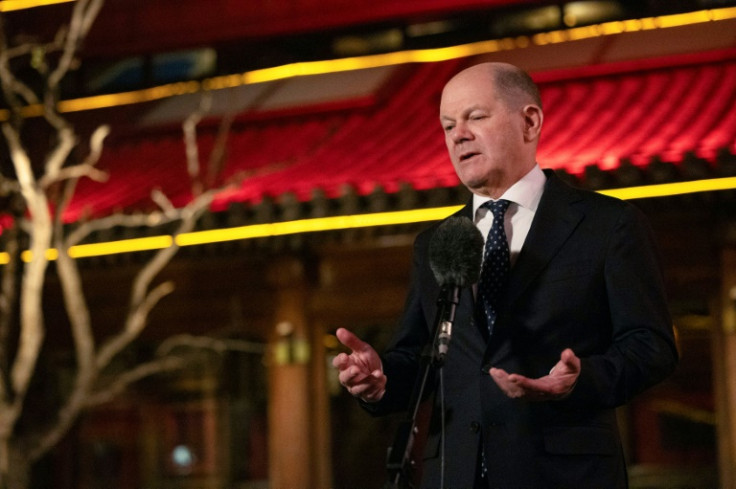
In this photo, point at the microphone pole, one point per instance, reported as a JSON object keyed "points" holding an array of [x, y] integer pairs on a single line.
{"points": [[399, 463], [455, 257]]}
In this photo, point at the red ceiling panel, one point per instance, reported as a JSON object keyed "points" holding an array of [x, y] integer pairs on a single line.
{"points": [[589, 120]]}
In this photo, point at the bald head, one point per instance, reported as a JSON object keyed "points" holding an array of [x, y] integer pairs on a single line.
{"points": [[510, 83]]}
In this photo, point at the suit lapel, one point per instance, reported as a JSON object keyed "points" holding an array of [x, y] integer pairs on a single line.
{"points": [[556, 218]]}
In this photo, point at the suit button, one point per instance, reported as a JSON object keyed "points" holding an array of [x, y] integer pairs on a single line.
{"points": [[475, 427]]}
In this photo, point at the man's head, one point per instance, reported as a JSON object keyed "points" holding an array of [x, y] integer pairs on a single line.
{"points": [[491, 114]]}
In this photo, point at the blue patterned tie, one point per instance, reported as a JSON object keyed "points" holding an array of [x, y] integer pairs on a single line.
{"points": [[496, 263]]}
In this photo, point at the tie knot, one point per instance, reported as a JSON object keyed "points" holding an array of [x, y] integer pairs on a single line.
{"points": [[498, 207]]}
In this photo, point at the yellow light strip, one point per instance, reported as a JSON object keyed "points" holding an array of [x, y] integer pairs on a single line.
{"points": [[101, 249], [378, 60], [670, 189], [51, 255], [122, 246], [10, 5], [347, 222], [315, 225]]}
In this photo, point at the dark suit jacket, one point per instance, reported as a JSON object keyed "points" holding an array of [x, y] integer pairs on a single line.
{"points": [[587, 278]]}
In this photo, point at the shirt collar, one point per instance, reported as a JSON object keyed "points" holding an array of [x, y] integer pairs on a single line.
{"points": [[526, 193]]}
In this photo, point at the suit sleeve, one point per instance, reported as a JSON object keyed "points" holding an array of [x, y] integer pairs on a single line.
{"points": [[643, 351], [401, 360]]}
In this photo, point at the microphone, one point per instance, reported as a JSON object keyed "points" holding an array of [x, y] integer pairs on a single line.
{"points": [[455, 256]]}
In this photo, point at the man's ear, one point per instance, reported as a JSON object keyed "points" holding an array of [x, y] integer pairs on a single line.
{"points": [[533, 118]]}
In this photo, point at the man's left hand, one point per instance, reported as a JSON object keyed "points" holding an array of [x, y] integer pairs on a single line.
{"points": [[556, 385]]}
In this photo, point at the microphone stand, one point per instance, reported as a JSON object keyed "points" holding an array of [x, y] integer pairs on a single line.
{"points": [[399, 464]]}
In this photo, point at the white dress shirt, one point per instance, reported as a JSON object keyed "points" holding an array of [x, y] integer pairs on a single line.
{"points": [[524, 196]]}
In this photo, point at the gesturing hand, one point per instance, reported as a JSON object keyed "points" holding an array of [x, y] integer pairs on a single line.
{"points": [[360, 371], [556, 385]]}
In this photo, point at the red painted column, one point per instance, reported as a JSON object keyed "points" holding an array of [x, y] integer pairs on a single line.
{"points": [[289, 408]]}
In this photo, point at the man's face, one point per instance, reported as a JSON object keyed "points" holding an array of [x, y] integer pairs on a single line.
{"points": [[484, 136]]}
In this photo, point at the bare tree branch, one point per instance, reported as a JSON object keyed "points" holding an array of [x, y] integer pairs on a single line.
{"points": [[21, 162], [32, 330], [77, 312], [12, 87], [84, 14], [74, 173], [134, 324], [95, 398], [219, 345], [124, 220], [58, 157], [165, 204], [189, 128], [8, 297], [8, 187], [85, 169], [124, 380], [142, 300], [219, 153]]}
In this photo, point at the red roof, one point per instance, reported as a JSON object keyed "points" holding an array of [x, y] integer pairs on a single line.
{"points": [[590, 119]]}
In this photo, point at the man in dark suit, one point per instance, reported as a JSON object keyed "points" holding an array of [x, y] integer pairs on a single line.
{"points": [[580, 327]]}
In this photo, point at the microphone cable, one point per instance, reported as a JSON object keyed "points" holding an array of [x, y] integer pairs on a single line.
{"points": [[442, 429]]}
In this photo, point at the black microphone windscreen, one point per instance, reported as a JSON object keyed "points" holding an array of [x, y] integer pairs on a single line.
{"points": [[456, 252]]}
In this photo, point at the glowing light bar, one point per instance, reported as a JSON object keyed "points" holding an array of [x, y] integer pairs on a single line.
{"points": [[314, 225], [346, 222], [101, 249], [370, 61], [123, 246], [51, 255], [670, 189], [10, 5]]}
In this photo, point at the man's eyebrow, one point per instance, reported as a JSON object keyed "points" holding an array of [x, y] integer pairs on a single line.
{"points": [[465, 111]]}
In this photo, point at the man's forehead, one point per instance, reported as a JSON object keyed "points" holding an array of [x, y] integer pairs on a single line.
{"points": [[462, 96]]}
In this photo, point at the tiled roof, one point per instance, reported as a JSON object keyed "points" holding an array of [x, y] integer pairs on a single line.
{"points": [[590, 119]]}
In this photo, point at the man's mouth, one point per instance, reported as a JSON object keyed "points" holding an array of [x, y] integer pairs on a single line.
{"points": [[468, 155]]}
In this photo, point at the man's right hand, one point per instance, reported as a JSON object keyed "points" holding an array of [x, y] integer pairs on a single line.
{"points": [[360, 372]]}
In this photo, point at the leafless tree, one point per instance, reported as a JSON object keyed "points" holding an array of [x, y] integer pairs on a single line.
{"points": [[37, 191]]}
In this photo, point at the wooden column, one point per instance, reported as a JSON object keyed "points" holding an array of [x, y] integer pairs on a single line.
{"points": [[297, 411], [724, 372], [322, 442]]}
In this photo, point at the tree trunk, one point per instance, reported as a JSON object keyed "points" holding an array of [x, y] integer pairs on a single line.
{"points": [[17, 474]]}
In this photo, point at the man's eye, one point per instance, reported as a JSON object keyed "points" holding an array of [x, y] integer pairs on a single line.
{"points": [[448, 128]]}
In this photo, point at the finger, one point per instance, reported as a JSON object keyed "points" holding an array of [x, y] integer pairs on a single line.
{"points": [[571, 360], [498, 373], [367, 393], [372, 389], [537, 385], [352, 376], [341, 361], [351, 341], [502, 378]]}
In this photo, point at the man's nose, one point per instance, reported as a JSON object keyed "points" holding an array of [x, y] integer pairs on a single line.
{"points": [[460, 133]]}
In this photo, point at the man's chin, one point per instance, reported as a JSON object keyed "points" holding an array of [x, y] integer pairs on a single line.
{"points": [[473, 183]]}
